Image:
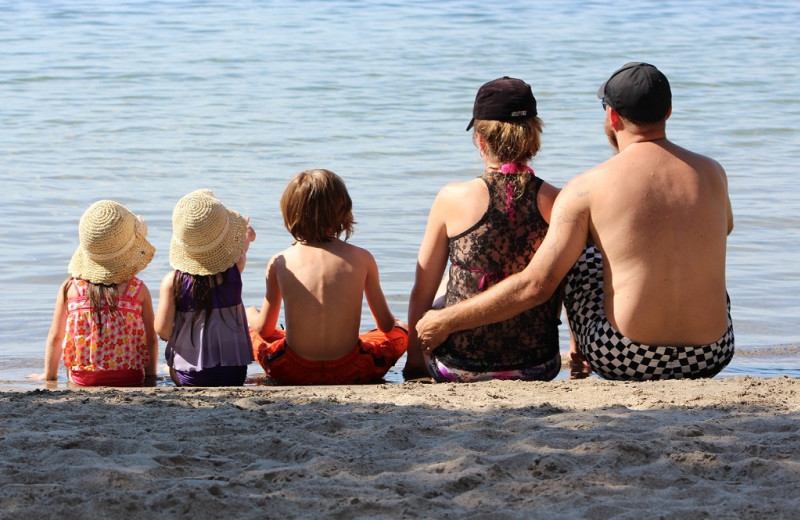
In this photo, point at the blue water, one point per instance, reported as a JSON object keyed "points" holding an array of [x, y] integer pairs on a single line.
{"points": [[145, 101]]}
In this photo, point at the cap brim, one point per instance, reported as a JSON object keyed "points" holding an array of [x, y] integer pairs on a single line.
{"points": [[601, 92], [471, 122]]}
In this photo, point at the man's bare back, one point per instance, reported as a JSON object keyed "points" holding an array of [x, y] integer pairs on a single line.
{"points": [[660, 215]]}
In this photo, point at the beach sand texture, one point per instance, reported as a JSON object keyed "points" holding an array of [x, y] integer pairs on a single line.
{"points": [[725, 448]]}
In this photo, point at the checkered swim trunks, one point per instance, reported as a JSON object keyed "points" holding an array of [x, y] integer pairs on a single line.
{"points": [[613, 356]]}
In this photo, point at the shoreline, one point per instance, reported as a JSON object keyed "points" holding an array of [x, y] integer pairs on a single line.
{"points": [[761, 362], [720, 448]]}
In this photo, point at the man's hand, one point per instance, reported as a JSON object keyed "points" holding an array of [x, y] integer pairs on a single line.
{"points": [[578, 366], [431, 331]]}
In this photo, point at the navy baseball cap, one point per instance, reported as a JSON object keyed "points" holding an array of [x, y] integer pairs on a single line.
{"points": [[638, 92], [503, 99]]}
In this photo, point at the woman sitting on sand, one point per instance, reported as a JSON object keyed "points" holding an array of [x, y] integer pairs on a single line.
{"points": [[489, 228]]}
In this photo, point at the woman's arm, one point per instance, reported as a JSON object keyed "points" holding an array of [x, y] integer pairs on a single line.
{"points": [[431, 263], [545, 199]]}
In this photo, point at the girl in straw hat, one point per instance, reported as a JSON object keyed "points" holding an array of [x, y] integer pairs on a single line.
{"points": [[200, 312], [103, 320]]}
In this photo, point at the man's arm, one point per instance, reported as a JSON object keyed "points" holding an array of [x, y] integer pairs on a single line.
{"points": [[559, 250]]}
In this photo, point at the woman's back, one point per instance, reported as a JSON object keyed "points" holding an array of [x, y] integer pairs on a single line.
{"points": [[501, 243]]}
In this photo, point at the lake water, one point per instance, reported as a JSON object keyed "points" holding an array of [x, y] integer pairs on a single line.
{"points": [[144, 101]]}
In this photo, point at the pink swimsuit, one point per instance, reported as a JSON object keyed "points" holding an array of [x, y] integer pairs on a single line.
{"points": [[113, 352]]}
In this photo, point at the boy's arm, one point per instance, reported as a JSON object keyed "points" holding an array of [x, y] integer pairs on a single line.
{"points": [[376, 300], [265, 320], [150, 332], [165, 315], [55, 337]]}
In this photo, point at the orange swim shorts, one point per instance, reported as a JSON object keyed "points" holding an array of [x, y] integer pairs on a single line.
{"points": [[373, 356]]}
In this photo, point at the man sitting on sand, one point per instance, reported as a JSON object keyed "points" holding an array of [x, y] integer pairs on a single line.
{"points": [[648, 301]]}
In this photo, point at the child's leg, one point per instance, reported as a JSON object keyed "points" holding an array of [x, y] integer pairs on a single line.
{"points": [[380, 351], [174, 376], [265, 348]]}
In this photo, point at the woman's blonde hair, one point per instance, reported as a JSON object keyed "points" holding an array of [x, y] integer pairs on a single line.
{"points": [[316, 207], [512, 142]]}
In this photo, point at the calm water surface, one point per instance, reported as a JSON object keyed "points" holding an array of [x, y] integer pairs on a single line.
{"points": [[145, 101]]}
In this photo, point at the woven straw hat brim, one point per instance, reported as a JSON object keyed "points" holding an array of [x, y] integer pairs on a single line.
{"points": [[216, 260], [115, 270]]}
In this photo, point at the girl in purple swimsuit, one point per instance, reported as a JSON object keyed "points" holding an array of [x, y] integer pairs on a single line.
{"points": [[200, 312]]}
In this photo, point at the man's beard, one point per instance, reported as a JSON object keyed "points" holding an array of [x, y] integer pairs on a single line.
{"points": [[612, 136]]}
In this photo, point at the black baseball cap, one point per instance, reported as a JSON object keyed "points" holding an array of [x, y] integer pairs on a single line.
{"points": [[638, 92], [503, 99]]}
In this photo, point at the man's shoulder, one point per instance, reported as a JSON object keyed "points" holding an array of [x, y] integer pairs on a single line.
{"points": [[590, 179]]}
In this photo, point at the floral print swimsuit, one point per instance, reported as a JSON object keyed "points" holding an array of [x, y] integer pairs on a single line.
{"points": [[118, 342]]}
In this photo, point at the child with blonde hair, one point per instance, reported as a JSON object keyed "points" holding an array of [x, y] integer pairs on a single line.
{"points": [[200, 311], [103, 321], [321, 280]]}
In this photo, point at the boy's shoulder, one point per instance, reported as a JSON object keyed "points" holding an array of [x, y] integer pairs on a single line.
{"points": [[353, 249], [345, 250]]}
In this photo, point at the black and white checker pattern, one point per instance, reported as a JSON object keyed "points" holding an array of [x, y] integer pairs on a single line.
{"points": [[613, 356]]}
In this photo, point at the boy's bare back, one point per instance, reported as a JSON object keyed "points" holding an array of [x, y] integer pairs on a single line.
{"points": [[321, 285]]}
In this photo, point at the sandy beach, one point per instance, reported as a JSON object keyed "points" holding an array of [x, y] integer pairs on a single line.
{"points": [[725, 448]]}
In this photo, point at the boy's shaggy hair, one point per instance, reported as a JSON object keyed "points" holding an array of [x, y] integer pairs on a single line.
{"points": [[316, 207]]}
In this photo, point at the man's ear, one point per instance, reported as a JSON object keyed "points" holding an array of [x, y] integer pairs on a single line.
{"points": [[615, 119]]}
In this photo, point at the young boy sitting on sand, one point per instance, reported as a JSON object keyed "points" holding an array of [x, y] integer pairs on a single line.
{"points": [[321, 279]]}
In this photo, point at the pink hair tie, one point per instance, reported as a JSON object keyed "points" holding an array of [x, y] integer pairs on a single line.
{"points": [[508, 169]]}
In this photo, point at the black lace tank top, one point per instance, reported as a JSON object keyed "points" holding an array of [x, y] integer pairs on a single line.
{"points": [[501, 243]]}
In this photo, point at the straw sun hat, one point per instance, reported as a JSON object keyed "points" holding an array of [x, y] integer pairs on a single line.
{"points": [[207, 237], [113, 245]]}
